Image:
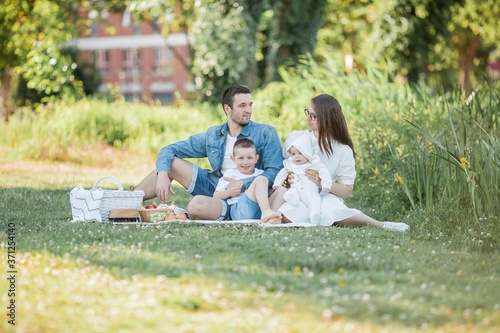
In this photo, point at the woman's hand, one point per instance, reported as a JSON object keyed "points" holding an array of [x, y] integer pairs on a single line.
{"points": [[313, 175]]}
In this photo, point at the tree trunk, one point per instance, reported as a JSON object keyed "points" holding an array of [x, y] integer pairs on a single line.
{"points": [[5, 107], [466, 57], [297, 25]]}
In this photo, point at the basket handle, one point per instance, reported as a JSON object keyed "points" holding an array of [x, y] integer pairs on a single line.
{"points": [[120, 187]]}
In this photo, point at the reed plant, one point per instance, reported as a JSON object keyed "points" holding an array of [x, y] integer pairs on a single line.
{"points": [[457, 163]]}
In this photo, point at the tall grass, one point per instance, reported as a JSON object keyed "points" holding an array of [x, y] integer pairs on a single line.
{"points": [[62, 132], [455, 167]]}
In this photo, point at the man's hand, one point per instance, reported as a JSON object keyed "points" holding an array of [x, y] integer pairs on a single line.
{"points": [[233, 191], [163, 186], [233, 183]]}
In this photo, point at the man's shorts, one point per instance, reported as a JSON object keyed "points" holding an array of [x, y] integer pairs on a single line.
{"points": [[200, 182]]}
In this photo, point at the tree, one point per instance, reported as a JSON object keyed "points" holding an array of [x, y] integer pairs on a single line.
{"points": [[225, 36], [30, 46], [418, 36], [294, 32], [367, 29], [448, 33], [9, 15], [242, 50], [472, 23]]}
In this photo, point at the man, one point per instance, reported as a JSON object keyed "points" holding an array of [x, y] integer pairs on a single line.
{"points": [[217, 145]]}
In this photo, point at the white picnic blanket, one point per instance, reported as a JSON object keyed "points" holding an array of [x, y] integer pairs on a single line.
{"points": [[238, 222], [255, 222]]}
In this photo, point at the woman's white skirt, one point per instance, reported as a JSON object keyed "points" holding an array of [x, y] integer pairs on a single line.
{"points": [[333, 210]]}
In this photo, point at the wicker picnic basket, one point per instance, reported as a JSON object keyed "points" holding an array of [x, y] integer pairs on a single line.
{"points": [[116, 199]]}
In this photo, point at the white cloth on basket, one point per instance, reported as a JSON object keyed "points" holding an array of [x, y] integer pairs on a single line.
{"points": [[85, 204]]}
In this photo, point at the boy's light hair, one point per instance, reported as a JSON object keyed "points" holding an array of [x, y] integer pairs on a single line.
{"points": [[243, 143]]}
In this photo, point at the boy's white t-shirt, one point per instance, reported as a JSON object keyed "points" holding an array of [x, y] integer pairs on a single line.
{"points": [[227, 163], [234, 174]]}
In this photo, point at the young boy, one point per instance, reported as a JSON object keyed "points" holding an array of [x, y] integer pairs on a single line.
{"points": [[241, 203], [302, 189]]}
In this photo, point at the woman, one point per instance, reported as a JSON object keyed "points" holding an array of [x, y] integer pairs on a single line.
{"points": [[331, 141]]}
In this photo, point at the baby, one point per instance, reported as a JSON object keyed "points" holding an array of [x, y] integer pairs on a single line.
{"points": [[302, 189]]}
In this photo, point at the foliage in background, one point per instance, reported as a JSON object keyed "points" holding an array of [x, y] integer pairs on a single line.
{"points": [[251, 40], [225, 47], [423, 38], [246, 35], [31, 47], [292, 33], [85, 72], [61, 132]]}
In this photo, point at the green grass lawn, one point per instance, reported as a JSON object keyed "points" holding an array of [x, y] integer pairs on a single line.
{"points": [[182, 277]]}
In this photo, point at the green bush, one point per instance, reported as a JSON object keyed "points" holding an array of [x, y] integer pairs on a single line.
{"points": [[58, 133]]}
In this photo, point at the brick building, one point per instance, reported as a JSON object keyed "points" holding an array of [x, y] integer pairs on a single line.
{"points": [[138, 59]]}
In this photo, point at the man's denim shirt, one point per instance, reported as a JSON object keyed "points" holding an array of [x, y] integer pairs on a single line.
{"points": [[212, 144]]}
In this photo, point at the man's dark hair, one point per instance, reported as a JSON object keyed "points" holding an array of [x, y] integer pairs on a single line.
{"points": [[228, 95], [243, 143]]}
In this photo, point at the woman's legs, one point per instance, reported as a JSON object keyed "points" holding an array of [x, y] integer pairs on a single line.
{"points": [[359, 220]]}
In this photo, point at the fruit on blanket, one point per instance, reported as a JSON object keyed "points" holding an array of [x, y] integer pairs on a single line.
{"points": [[169, 216], [181, 216], [156, 217], [149, 207]]}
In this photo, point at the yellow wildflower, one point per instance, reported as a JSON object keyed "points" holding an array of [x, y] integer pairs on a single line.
{"points": [[398, 179], [464, 163]]}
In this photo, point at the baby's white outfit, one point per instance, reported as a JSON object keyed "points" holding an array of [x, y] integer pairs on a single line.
{"points": [[303, 189]]}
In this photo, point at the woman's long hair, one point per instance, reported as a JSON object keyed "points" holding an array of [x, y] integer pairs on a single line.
{"points": [[331, 124]]}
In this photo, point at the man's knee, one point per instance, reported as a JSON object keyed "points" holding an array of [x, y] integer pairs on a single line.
{"points": [[200, 206], [196, 204]]}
